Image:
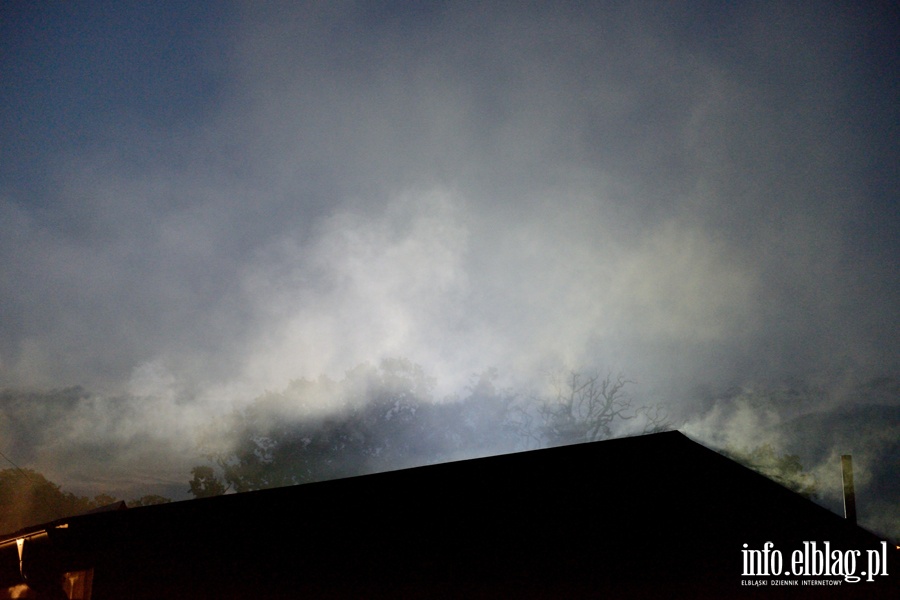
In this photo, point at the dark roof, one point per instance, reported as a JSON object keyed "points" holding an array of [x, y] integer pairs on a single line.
{"points": [[650, 514]]}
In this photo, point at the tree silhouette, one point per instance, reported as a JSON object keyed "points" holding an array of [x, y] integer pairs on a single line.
{"points": [[205, 483], [377, 418], [148, 500], [386, 417], [28, 498], [585, 408]]}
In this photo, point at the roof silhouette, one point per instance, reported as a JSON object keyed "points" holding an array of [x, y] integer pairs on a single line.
{"points": [[648, 516]]}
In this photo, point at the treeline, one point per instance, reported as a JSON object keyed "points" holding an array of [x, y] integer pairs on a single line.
{"points": [[28, 498], [386, 417], [374, 418]]}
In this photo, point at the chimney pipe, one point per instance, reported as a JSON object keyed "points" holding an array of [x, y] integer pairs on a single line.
{"points": [[849, 493]]}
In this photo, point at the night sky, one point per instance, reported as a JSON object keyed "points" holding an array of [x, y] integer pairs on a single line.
{"points": [[203, 201]]}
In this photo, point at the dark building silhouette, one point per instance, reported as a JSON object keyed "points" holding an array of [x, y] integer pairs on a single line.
{"points": [[650, 516]]}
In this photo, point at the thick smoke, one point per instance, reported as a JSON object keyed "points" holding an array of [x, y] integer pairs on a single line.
{"points": [[818, 425], [695, 196]]}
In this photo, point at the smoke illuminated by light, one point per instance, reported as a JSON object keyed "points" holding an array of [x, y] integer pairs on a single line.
{"points": [[199, 205]]}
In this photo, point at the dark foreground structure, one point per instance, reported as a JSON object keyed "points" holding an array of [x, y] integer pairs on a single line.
{"points": [[651, 516]]}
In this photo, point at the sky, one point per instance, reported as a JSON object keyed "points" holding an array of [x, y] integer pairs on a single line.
{"points": [[203, 201]]}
